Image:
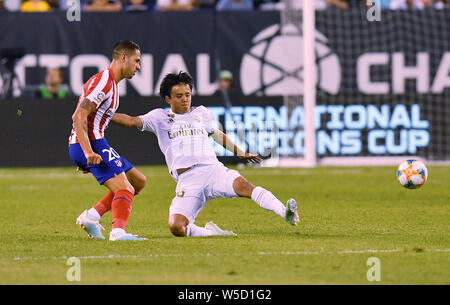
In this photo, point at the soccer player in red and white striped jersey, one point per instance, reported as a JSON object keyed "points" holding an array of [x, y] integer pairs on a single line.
{"points": [[90, 151], [102, 91]]}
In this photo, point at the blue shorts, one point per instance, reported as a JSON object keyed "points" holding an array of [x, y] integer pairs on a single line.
{"points": [[112, 163]]}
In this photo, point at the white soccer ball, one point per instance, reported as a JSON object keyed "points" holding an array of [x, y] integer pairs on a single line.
{"points": [[412, 174]]}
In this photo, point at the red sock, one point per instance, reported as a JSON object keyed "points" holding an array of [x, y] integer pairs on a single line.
{"points": [[104, 205], [121, 208]]}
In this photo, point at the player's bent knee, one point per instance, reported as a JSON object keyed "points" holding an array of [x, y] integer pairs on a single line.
{"points": [[242, 187], [140, 184], [178, 229], [178, 225], [143, 181], [137, 180], [118, 183]]}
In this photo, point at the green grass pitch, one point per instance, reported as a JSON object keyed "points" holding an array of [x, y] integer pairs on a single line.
{"points": [[348, 215]]}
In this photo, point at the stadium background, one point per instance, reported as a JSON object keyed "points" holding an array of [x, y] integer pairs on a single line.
{"points": [[382, 87]]}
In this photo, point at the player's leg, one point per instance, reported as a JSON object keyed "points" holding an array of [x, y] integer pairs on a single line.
{"points": [[178, 224], [182, 214], [229, 183], [122, 200], [101, 207], [105, 204], [120, 196], [111, 173], [262, 197], [267, 200], [88, 220], [183, 211], [125, 186], [121, 206], [137, 180]]}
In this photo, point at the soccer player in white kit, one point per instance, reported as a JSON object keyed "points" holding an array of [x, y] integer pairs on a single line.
{"points": [[183, 136]]}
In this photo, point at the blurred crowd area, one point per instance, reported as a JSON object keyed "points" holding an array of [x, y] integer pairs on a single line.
{"points": [[35, 6]]}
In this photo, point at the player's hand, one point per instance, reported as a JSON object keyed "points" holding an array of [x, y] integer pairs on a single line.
{"points": [[93, 158], [252, 158]]}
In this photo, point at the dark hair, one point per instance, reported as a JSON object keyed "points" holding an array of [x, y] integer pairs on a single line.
{"points": [[124, 46], [173, 79]]}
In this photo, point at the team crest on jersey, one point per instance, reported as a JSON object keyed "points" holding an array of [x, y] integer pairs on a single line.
{"points": [[118, 163], [100, 96], [197, 118]]}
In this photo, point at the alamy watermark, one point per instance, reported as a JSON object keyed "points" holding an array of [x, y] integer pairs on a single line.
{"points": [[73, 274], [374, 11], [374, 272], [73, 10]]}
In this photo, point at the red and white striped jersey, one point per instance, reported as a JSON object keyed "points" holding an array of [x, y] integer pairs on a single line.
{"points": [[102, 90]]}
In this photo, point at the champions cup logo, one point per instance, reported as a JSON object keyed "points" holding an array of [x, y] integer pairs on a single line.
{"points": [[274, 64]]}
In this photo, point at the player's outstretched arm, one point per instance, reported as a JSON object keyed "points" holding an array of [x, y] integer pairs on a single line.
{"points": [[222, 139], [127, 120]]}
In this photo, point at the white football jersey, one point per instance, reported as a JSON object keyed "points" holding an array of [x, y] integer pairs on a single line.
{"points": [[183, 138]]}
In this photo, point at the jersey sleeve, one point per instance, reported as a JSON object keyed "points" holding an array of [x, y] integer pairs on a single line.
{"points": [[209, 121], [150, 121], [98, 88]]}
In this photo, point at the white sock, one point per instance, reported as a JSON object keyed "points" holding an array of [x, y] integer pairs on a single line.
{"points": [[92, 214], [268, 201], [194, 231]]}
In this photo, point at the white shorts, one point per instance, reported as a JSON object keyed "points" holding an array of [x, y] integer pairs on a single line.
{"points": [[199, 185]]}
